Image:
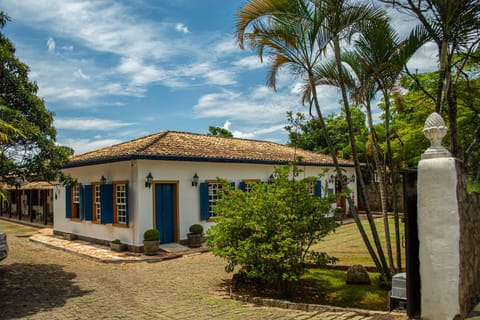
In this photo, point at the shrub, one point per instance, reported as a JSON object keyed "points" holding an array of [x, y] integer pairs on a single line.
{"points": [[196, 229], [117, 241], [151, 235], [269, 230]]}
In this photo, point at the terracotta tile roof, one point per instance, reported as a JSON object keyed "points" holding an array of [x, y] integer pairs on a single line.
{"points": [[40, 185], [173, 145]]}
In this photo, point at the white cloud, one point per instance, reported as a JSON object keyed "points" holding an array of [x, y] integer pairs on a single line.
{"points": [[227, 125], [257, 108], [250, 63], [256, 133], [425, 59], [180, 27], [226, 46], [82, 75], [86, 124], [51, 45], [81, 146]]}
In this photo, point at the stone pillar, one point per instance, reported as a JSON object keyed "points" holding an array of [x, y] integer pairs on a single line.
{"points": [[438, 227]]}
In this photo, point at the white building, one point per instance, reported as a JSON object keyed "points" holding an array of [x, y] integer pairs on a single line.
{"points": [[151, 182]]}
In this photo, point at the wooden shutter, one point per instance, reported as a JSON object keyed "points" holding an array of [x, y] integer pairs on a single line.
{"points": [[318, 188], [68, 202], [87, 206], [204, 203], [81, 205], [126, 204], [106, 203], [242, 186]]}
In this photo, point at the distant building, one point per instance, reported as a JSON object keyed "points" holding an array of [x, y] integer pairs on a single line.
{"points": [[30, 202], [168, 181]]}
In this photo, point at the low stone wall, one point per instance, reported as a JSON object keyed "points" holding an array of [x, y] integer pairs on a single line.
{"points": [[469, 210], [374, 198]]}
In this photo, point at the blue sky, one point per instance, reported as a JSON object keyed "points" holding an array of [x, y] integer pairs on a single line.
{"points": [[112, 71]]}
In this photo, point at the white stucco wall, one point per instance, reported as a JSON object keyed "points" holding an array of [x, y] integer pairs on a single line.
{"points": [[439, 235], [141, 199], [119, 171]]}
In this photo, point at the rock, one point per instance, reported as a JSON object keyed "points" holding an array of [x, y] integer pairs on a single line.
{"points": [[357, 274]]}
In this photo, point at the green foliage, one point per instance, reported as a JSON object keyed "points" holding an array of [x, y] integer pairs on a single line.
{"points": [[310, 136], [27, 144], [196, 229], [117, 241], [151, 235], [268, 231], [219, 131]]}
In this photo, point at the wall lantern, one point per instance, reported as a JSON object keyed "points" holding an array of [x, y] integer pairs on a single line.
{"points": [[103, 180], [195, 180], [332, 179], [148, 183], [271, 179]]}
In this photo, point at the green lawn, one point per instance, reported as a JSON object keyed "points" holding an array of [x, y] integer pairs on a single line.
{"points": [[329, 287], [347, 245]]}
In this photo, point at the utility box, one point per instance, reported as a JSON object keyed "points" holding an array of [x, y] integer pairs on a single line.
{"points": [[398, 295]]}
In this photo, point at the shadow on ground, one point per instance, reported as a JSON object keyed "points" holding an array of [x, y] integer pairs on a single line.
{"points": [[26, 289]]}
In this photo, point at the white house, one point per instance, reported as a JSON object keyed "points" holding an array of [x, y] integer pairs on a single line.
{"points": [[168, 181]]}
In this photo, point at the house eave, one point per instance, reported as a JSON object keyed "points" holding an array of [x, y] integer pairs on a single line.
{"points": [[120, 158]]}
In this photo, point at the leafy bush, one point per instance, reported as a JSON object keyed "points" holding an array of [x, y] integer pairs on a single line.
{"points": [[269, 230], [196, 229], [151, 235], [117, 241]]}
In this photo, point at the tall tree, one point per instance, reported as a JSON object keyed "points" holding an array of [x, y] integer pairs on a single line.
{"points": [[295, 34], [33, 153], [343, 19], [219, 132], [454, 26]]}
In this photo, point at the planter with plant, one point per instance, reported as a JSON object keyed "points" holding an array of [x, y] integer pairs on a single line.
{"points": [[151, 240], [117, 245], [195, 236]]}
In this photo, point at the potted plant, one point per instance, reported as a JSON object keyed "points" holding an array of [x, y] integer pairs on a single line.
{"points": [[117, 245], [195, 236], [151, 240]]}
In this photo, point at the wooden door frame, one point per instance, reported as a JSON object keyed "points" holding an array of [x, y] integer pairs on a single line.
{"points": [[176, 220]]}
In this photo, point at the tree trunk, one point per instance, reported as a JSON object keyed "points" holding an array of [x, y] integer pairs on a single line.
{"points": [[382, 184], [385, 270], [392, 173], [353, 210]]}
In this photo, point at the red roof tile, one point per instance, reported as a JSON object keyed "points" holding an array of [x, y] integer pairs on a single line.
{"points": [[199, 147]]}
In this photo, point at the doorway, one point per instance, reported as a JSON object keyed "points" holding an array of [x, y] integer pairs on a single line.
{"points": [[165, 210]]}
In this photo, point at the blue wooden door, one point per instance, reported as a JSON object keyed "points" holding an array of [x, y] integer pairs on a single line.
{"points": [[164, 211]]}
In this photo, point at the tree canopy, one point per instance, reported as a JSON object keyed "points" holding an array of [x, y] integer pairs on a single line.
{"points": [[27, 147]]}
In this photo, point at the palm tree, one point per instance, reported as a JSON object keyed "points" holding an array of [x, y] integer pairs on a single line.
{"points": [[343, 19], [384, 56], [454, 26], [294, 35]]}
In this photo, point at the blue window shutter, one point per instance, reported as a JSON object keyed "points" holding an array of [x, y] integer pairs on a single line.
{"points": [[106, 203], [81, 205], [87, 207], [68, 202], [204, 203], [242, 186], [318, 188], [126, 204]]}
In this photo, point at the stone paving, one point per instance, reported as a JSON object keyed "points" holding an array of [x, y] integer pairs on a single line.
{"points": [[39, 282]]}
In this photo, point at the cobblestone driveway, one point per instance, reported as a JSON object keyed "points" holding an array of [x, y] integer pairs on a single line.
{"points": [[37, 282]]}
